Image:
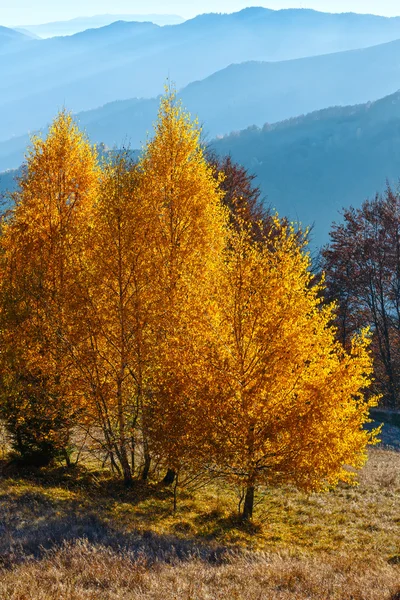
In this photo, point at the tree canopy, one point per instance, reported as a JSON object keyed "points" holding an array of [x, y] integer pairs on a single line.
{"points": [[157, 307]]}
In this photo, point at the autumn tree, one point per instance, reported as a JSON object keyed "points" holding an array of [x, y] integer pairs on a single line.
{"points": [[39, 243], [285, 401], [242, 197], [189, 225], [118, 312], [362, 265], [240, 192], [156, 305]]}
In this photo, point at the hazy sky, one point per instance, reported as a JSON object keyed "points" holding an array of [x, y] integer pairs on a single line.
{"points": [[20, 12]]}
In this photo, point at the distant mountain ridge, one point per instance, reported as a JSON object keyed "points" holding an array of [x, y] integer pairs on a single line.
{"points": [[121, 61], [79, 24]]}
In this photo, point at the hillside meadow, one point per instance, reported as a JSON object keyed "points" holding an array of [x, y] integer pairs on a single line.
{"points": [[78, 534]]}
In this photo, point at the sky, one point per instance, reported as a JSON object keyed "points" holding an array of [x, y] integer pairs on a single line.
{"points": [[28, 12]]}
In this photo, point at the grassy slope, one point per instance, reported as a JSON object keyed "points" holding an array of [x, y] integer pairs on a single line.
{"points": [[82, 535]]}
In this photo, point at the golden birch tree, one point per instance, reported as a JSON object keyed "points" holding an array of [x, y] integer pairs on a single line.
{"points": [[40, 246], [285, 401], [117, 294], [189, 227]]}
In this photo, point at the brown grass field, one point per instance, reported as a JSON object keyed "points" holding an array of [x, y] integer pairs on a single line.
{"points": [[80, 535]]}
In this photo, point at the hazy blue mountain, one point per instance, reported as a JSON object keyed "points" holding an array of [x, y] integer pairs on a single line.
{"points": [[27, 33], [72, 26], [7, 184], [12, 39], [312, 166], [126, 60], [248, 93], [12, 152], [260, 92]]}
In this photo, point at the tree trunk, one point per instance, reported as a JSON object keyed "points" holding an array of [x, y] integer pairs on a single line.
{"points": [[114, 467], [248, 503], [20, 444], [146, 468], [176, 492], [169, 477], [67, 458], [126, 468], [122, 456], [133, 465], [249, 498]]}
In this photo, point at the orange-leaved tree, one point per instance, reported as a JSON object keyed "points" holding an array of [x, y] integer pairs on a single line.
{"points": [[40, 244], [285, 401], [117, 293], [189, 227]]}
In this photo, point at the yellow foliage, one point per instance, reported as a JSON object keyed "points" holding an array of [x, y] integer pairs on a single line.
{"points": [[286, 402], [40, 260], [189, 227], [132, 305]]}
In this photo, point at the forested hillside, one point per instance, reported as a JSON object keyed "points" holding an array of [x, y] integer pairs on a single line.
{"points": [[313, 166], [8, 181]]}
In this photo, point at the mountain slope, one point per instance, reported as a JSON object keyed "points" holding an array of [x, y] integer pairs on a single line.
{"points": [[7, 184], [127, 60], [12, 39], [313, 166]]}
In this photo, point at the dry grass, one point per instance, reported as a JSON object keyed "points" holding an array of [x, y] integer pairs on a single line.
{"points": [[85, 572], [83, 536]]}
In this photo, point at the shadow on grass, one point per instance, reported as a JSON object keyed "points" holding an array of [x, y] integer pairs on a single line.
{"points": [[233, 522], [29, 541], [60, 506], [90, 485]]}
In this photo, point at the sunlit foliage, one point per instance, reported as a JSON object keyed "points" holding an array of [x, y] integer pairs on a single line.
{"points": [[177, 330]]}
